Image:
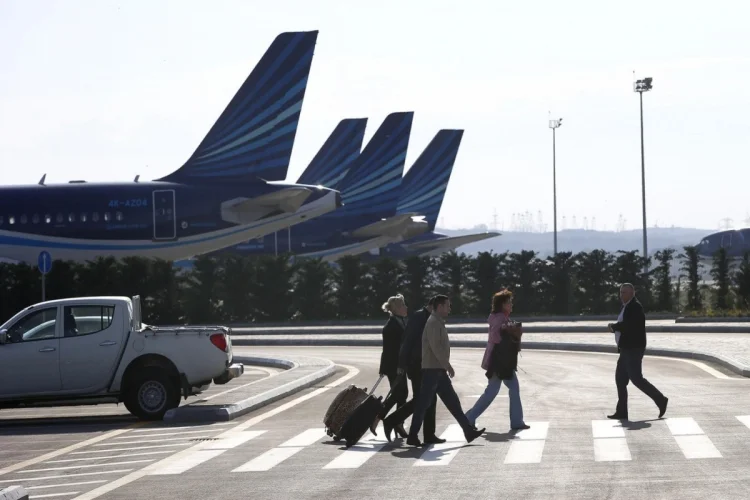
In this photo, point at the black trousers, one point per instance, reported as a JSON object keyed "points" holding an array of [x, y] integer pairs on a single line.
{"points": [[404, 411], [630, 369], [437, 381], [399, 393]]}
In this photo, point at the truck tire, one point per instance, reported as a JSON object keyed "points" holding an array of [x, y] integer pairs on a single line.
{"points": [[151, 393]]}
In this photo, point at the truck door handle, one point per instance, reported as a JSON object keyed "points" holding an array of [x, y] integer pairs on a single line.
{"points": [[108, 342], [46, 349]]}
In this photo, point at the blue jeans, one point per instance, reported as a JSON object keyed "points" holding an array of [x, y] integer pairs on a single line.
{"points": [[489, 395]]}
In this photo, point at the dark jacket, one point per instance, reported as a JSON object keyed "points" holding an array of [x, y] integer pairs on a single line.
{"points": [[632, 328], [410, 356], [393, 336], [504, 357]]}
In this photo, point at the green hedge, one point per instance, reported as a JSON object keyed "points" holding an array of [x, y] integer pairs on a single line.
{"points": [[270, 289]]}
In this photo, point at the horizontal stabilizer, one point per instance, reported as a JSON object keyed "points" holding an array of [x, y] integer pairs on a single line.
{"points": [[247, 210], [392, 226], [450, 243]]}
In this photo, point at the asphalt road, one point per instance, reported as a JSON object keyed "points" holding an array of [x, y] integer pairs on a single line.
{"points": [[699, 450]]}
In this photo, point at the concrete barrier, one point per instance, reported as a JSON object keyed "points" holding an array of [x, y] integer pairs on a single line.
{"points": [[14, 493]]}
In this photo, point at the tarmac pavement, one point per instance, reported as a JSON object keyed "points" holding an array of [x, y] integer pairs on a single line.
{"points": [[699, 450]]}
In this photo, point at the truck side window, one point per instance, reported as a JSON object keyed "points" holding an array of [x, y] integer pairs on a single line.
{"points": [[39, 325], [86, 319]]}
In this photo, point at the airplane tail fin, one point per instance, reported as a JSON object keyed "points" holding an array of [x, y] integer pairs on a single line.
{"points": [[253, 137], [372, 186], [337, 155], [424, 185]]}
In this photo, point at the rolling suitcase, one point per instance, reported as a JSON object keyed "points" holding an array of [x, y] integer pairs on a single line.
{"points": [[351, 413]]}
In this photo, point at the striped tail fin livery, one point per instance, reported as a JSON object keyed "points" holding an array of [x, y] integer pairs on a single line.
{"points": [[424, 185], [371, 188], [254, 136], [332, 162]]}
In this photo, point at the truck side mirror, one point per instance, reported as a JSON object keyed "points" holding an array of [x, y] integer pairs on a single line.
{"points": [[3, 337]]}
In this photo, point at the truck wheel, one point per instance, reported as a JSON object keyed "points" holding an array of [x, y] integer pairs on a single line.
{"points": [[150, 394]]}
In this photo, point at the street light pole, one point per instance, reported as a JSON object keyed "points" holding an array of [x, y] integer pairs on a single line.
{"points": [[554, 124], [642, 86]]}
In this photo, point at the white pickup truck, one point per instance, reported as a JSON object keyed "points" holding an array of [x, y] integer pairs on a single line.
{"points": [[90, 350]]}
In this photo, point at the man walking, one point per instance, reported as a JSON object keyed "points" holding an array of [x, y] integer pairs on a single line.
{"points": [[630, 334], [437, 373], [410, 364]]}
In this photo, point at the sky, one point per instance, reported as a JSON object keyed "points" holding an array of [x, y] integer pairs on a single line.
{"points": [[104, 90]]}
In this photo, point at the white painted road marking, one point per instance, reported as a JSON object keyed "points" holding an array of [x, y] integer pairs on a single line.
{"points": [[61, 451], [529, 444], [44, 478], [691, 439], [745, 419], [208, 451], [443, 453], [289, 448], [357, 455], [106, 488], [610, 444]]}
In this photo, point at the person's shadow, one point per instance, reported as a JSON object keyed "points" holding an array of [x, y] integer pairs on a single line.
{"points": [[638, 425]]}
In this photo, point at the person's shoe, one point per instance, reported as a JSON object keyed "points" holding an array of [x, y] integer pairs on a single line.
{"points": [[473, 434], [387, 429], [412, 441], [618, 416], [663, 407], [521, 427], [374, 426], [401, 431], [433, 440]]}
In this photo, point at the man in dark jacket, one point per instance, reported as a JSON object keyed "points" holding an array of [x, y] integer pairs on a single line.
{"points": [[410, 363], [630, 335]]}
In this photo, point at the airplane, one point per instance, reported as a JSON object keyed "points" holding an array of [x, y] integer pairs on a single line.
{"points": [[423, 191], [230, 190], [735, 241], [369, 185]]}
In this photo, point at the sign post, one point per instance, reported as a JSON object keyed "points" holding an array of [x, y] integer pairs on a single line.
{"points": [[44, 262]]}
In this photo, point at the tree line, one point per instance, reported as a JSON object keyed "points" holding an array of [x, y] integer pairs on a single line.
{"points": [[245, 289]]}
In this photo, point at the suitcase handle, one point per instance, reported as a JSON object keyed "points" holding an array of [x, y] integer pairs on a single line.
{"points": [[376, 385]]}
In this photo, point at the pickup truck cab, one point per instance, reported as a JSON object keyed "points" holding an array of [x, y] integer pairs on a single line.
{"points": [[90, 350]]}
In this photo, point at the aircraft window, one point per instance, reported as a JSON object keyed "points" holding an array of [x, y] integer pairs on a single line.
{"points": [[35, 219], [83, 217], [11, 220], [106, 216], [47, 218], [24, 219], [59, 218], [95, 217], [71, 217], [118, 215]]}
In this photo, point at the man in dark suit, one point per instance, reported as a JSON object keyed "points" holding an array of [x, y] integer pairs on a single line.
{"points": [[630, 335], [410, 363]]}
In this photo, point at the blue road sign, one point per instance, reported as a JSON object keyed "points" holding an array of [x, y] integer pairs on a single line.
{"points": [[44, 261]]}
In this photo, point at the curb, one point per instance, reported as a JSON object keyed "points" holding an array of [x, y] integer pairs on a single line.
{"points": [[457, 328], [14, 493], [698, 319], [552, 346], [235, 410]]}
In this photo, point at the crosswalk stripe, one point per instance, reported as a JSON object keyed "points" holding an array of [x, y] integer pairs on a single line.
{"points": [[745, 419], [360, 453], [289, 448], [691, 439], [528, 446], [610, 444], [211, 450], [443, 453]]}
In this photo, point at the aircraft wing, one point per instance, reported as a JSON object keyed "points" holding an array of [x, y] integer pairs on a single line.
{"points": [[449, 243], [247, 210], [392, 226]]}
